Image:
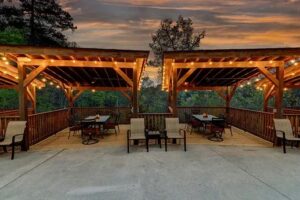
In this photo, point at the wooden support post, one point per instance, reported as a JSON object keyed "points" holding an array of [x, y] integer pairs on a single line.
{"points": [[228, 99], [174, 92], [33, 102], [279, 91], [135, 92], [23, 113], [267, 94]]}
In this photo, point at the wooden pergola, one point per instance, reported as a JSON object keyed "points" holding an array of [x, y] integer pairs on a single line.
{"points": [[291, 80], [74, 70], [224, 70]]}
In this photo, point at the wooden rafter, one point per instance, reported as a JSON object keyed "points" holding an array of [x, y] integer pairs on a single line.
{"points": [[269, 75], [123, 75], [185, 76], [33, 74]]}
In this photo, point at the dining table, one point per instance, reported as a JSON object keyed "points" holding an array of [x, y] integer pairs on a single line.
{"points": [[96, 121], [206, 119]]}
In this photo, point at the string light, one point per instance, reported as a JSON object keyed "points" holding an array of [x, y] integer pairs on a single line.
{"points": [[74, 61], [285, 89], [293, 61], [4, 58], [95, 62], [7, 63], [16, 77], [271, 61], [93, 90], [51, 83], [230, 62], [248, 83], [5, 72], [44, 80], [185, 90], [257, 79], [192, 63], [39, 87], [52, 60], [241, 86], [57, 86], [293, 74], [251, 62], [210, 63]]}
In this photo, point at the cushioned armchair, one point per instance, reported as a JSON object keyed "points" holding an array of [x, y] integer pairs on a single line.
{"points": [[14, 135]]}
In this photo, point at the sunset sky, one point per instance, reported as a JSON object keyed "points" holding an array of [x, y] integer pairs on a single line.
{"points": [[125, 24]]}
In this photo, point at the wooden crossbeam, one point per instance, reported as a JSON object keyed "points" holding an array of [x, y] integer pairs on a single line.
{"points": [[125, 94], [269, 75], [185, 76], [77, 52], [235, 64], [101, 88], [78, 63], [123, 75], [215, 88], [33, 74], [15, 87]]}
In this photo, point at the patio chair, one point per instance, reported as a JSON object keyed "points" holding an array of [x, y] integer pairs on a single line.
{"points": [[218, 128], [227, 123], [174, 131], [74, 126], [136, 132], [14, 135], [192, 124], [113, 124], [284, 131]]}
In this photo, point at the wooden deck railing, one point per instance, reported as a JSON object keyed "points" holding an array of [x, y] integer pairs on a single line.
{"points": [[13, 112], [255, 122], [82, 112], [43, 125], [189, 110]]}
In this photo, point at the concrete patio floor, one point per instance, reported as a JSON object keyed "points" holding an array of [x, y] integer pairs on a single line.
{"points": [[203, 172]]}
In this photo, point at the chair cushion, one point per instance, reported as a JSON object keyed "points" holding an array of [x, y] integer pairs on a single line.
{"points": [[137, 136], [175, 135]]}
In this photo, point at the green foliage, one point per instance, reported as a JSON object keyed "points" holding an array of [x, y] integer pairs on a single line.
{"points": [[8, 99], [200, 98], [174, 36], [50, 98], [248, 97], [101, 99], [12, 35]]}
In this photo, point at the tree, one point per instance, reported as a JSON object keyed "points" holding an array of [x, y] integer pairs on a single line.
{"points": [[10, 16], [174, 36], [45, 22]]}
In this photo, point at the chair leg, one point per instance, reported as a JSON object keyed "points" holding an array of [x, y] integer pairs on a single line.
{"points": [[231, 131], [184, 141], [13, 151], [128, 145], [147, 145], [284, 147]]}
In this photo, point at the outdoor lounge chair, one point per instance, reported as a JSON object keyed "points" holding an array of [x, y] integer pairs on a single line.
{"points": [[174, 131], [284, 131], [14, 135], [136, 132], [113, 124], [218, 128]]}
